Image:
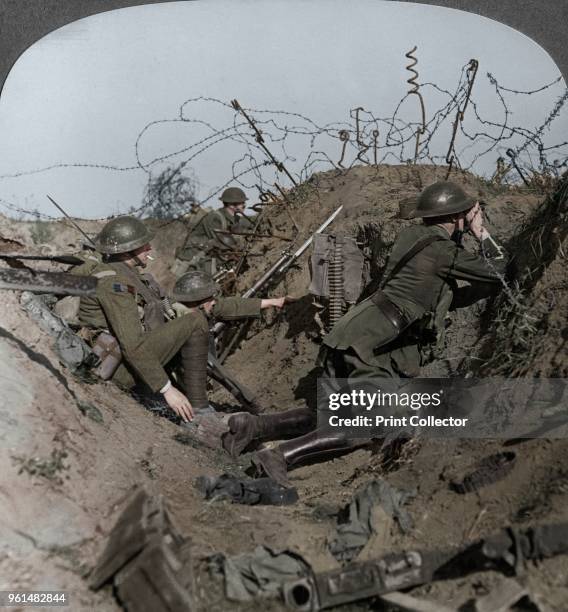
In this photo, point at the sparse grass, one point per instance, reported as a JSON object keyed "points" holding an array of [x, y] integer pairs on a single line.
{"points": [[41, 232], [518, 319], [50, 468]]}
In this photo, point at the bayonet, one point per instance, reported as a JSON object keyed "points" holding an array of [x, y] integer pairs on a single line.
{"points": [[73, 222]]}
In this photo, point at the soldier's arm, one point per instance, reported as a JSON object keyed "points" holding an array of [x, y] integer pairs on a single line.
{"points": [[468, 295], [211, 223], [227, 309], [121, 311], [459, 264]]}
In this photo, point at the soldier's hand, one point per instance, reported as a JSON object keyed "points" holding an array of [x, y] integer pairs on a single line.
{"points": [[475, 219], [277, 302], [177, 401]]}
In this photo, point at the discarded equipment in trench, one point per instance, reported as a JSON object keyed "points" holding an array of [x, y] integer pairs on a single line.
{"points": [[147, 559], [336, 268], [506, 551], [489, 470]]}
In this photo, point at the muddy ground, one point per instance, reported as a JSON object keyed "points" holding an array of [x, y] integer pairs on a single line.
{"points": [[72, 453]]}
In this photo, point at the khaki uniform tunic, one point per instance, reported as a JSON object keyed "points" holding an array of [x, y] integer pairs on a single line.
{"points": [[130, 310], [125, 306], [207, 250], [423, 290]]}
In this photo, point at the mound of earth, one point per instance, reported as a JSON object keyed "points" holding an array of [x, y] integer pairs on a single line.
{"points": [[73, 452]]}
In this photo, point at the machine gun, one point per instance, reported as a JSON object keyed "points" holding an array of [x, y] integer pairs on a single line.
{"points": [[274, 273], [505, 551]]}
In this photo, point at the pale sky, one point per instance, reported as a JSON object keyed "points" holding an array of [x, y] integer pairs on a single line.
{"points": [[83, 94]]}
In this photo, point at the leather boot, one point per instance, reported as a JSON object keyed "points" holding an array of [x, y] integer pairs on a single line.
{"points": [[244, 428], [313, 446], [194, 363]]}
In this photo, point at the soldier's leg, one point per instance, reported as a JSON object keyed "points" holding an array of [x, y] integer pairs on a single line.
{"points": [[166, 341], [380, 368], [194, 365], [319, 445], [245, 428], [311, 447]]}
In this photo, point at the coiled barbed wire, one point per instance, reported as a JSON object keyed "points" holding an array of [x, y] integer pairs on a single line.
{"points": [[415, 90], [354, 137]]}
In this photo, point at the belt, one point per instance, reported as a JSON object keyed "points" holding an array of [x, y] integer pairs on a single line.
{"points": [[391, 311]]}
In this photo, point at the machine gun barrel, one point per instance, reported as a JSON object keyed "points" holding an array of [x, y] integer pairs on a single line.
{"points": [[282, 264], [506, 551], [288, 259]]}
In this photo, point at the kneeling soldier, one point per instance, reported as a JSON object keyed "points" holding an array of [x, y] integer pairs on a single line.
{"points": [[395, 331]]}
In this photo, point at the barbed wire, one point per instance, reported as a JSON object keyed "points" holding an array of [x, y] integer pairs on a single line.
{"points": [[297, 140]]}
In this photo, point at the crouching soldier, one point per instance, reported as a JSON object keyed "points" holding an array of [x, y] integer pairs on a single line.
{"points": [[126, 322], [209, 246], [196, 294], [396, 330], [134, 330]]}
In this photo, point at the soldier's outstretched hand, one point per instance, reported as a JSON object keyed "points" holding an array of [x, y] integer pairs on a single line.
{"points": [[177, 401], [277, 302]]}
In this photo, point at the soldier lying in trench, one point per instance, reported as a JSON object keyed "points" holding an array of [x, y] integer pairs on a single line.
{"points": [[137, 334], [392, 333]]}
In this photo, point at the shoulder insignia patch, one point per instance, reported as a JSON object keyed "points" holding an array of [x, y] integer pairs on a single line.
{"points": [[122, 288]]}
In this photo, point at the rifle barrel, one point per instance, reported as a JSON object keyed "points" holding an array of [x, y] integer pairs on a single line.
{"points": [[75, 225], [283, 264]]}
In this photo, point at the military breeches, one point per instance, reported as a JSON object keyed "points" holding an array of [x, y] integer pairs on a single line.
{"points": [[200, 262], [336, 363], [165, 342]]}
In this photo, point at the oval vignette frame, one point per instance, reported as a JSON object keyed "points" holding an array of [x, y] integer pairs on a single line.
{"points": [[543, 21]]}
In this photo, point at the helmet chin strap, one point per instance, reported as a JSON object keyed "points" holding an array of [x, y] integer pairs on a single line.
{"points": [[457, 234], [138, 262]]}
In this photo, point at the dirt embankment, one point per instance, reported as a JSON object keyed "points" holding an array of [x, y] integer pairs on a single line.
{"points": [[71, 453]]}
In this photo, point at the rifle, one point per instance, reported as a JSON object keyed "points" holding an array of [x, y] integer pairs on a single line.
{"points": [[505, 551], [60, 283], [219, 373], [70, 260], [73, 223], [275, 272]]}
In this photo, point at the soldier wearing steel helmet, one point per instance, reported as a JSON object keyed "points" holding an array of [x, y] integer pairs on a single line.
{"points": [[395, 331], [128, 306], [207, 247], [196, 293]]}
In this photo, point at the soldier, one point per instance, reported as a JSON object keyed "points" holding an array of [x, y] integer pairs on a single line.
{"points": [[197, 294], [396, 330], [128, 308], [209, 250], [128, 319]]}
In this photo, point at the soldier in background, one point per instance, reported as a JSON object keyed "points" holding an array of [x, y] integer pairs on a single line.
{"points": [[207, 249], [395, 331]]}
